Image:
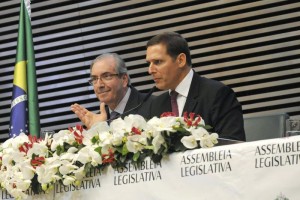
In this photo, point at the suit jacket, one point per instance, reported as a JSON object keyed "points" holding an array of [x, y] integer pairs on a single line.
{"points": [[135, 104], [215, 102]]}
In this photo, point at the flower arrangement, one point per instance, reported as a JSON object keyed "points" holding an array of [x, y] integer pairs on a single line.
{"points": [[67, 156]]}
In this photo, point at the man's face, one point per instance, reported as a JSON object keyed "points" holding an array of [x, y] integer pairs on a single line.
{"points": [[111, 91], [165, 71]]}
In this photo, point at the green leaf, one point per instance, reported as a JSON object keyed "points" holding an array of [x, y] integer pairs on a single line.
{"points": [[136, 156], [95, 139], [98, 149], [149, 147], [156, 158], [179, 129], [207, 127], [33, 156], [35, 185], [59, 150], [87, 168], [161, 150], [124, 150], [119, 149]]}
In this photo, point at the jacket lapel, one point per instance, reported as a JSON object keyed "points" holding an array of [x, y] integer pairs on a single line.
{"points": [[192, 98], [134, 99]]}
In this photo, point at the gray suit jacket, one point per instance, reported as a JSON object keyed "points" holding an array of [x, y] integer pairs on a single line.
{"points": [[215, 102]]}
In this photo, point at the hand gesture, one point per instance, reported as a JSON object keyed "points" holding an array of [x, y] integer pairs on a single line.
{"points": [[89, 118]]}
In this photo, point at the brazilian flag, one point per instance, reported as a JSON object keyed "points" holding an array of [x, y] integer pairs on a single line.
{"points": [[24, 115]]}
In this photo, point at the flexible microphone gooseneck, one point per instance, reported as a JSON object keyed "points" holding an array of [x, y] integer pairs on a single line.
{"points": [[154, 89]]}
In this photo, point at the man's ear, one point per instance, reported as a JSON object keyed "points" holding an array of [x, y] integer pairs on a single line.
{"points": [[181, 59], [125, 79]]}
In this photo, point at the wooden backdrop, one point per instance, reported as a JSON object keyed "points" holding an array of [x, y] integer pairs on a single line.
{"points": [[252, 46]]}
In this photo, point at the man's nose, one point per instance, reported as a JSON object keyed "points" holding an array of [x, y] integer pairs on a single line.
{"points": [[99, 83], [151, 68]]}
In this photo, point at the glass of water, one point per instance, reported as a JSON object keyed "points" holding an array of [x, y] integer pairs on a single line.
{"points": [[292, 127], [46, 132]]}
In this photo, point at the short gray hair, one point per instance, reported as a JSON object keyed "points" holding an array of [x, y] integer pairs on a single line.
{"points": [[120, 66]]}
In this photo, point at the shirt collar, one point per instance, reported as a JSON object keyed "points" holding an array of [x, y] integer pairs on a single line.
{"points": [[121, 106], [184, 86]]}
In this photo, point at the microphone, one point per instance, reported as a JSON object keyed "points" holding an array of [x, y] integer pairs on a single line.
{"points": [[154, 89], [226, 141]]}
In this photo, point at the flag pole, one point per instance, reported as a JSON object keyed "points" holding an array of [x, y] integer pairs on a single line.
{"points": [[33, 105]]}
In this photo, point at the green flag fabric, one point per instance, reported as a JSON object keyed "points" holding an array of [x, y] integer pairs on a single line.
{"points": [[24, 116]]}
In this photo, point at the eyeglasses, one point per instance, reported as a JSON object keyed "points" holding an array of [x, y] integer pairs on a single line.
{"points": [[103, 77]]}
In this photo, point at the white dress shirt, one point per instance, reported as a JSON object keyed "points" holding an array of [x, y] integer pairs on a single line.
{"points": [[183, 90]]}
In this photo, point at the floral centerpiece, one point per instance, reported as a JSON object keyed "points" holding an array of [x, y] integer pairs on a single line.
{"points": [[66, 157]]}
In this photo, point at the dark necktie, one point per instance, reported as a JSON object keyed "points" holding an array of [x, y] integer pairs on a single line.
{"points": [[114, 115], [174, 95]]}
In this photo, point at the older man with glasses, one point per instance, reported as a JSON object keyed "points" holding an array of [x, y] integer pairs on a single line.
{"points": [[111, 84]]}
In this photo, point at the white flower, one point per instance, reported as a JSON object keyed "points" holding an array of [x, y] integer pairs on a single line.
{"points": [[79, 173], [214, 137], [67, 167], [117, 138], [61, 137], [15, 184], [106, 141], [39, 149], [119, 125], [199, 132], [209, 140], [47, 173], [16, 192], [156, 125], [70, 154], [94, 131], [88, 154], [10, 156], [157, 141], [98, 127], [136, 143], [15, 142], [189, 141], [22, 184], [105, 138], [27, 170], [68, 180], [83, 156], [96, 158], [136, 121]]}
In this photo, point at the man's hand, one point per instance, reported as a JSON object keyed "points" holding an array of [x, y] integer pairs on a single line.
{"points": [[88, 118]]}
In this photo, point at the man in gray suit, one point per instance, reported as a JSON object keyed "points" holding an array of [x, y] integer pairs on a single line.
{"points": [[170, 65], [111, 84]]}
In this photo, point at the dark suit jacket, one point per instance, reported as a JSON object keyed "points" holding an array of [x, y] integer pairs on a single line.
{"points": [[215, 102], [135, 99]]}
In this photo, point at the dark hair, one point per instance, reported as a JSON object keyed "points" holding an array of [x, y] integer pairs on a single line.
{"points": [[175, 45]]}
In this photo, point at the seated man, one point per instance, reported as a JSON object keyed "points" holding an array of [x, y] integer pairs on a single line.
{"points": [[170, 65], [111, 84]]}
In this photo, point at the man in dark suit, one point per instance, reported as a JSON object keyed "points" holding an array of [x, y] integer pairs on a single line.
{"points": [[111, 84], [170, 65]]}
